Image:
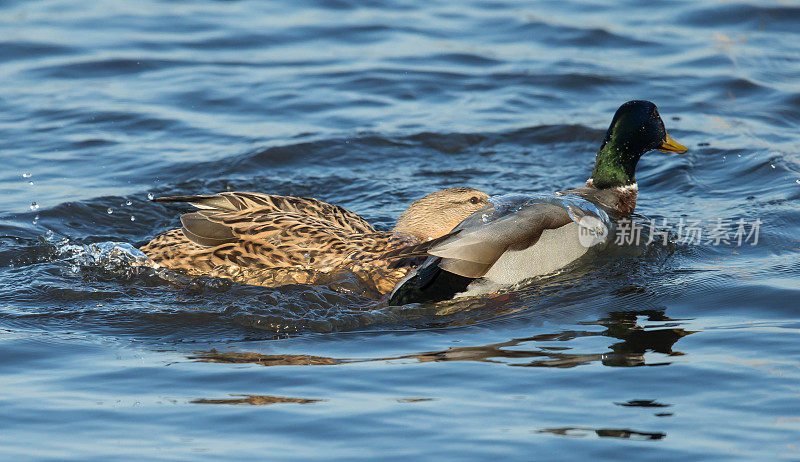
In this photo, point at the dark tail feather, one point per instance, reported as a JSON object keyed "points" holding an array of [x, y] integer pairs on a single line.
{"points": [[428, 284]]}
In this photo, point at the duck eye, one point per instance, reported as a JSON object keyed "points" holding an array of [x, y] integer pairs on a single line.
{"points": [[474, 200]]}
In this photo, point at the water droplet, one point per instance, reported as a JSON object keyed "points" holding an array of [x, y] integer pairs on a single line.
{"points": [[133, 218], [30, 182], [34, 206], [109, 211], [797, 181], [27, 175], [128, 202], [36, 219], [772, 165], [150, 196]]}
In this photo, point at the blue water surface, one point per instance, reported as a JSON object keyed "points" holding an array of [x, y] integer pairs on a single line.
{"points": [[686, 350]]}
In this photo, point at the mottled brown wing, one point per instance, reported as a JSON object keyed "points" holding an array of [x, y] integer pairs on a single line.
{"points": [[257, 239], [256, 202], [368, 280], [174, 250], [372, 277]]}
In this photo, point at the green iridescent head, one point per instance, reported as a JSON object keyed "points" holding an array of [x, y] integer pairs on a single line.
{"points": [[635, 129]]}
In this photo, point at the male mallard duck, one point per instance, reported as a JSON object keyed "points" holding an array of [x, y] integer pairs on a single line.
{"points": [[271, 240], [514, 238]]}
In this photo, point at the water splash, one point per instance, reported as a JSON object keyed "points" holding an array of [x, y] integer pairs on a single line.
{"points": [[110, 256]]}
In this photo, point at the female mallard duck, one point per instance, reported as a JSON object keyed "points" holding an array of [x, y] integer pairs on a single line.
{"points": [[271, 240], [514, 238]]}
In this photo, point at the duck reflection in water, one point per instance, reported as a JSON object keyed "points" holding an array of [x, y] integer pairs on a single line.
{"points": [[604, 433], [636, 341]]}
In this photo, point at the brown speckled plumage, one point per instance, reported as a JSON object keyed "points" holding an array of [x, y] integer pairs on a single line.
{"points": [[272, 240]]}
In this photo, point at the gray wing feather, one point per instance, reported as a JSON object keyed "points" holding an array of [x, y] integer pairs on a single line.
{"points": [[472, 252]]}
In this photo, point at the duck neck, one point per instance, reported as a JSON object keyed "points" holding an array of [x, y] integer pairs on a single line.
{"points": [[615, 165]]}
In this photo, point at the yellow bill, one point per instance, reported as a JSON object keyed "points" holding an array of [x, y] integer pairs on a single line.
{"points": [[670, 145]]}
